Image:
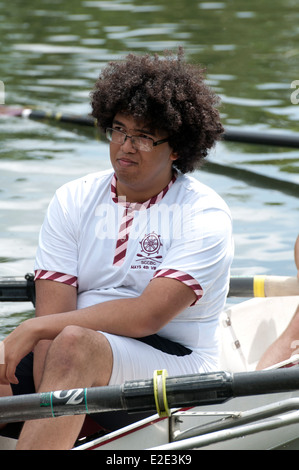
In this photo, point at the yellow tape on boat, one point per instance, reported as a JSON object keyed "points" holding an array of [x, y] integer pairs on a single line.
{"points": [[160, 393], [259, 286]]}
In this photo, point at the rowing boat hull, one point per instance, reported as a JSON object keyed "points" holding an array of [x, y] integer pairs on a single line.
{"points": [[153, 433]]}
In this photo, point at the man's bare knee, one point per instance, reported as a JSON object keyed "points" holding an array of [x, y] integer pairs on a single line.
{"points": [[80, 353], [69, 348], [76, 340]]}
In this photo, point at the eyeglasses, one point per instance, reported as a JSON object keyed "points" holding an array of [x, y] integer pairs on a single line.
{"points": [[138, 142]]}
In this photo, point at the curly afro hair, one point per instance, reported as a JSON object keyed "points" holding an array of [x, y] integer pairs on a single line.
{"points": [[167, 94]]}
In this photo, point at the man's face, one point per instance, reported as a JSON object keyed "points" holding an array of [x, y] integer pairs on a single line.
{"points": [[140, 174]]}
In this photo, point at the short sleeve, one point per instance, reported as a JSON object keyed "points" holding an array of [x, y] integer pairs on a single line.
{"points": [[57, 251], [201, 254]]}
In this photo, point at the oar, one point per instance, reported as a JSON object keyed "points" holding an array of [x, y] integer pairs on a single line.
{"points": [[17, 289], [159, 394], [233, 135], [262, 138], [263, 286], [41, 115], [13, 289]]}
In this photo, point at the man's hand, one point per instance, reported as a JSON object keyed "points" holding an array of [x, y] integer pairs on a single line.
{"points": [[15, 346]]}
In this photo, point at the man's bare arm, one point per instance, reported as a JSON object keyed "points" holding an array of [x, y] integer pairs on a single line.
{"points": [[162, 300]]}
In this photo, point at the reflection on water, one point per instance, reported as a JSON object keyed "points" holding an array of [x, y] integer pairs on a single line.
{"points": [[50, 56]]}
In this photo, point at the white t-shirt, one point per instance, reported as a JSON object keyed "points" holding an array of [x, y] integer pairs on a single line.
{"points": [[111, 249]]}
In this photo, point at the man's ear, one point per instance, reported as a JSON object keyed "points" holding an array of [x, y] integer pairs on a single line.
{"points": [[174, 156]]}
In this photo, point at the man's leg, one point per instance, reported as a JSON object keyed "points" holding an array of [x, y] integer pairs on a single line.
{"points": [[78, 357]]}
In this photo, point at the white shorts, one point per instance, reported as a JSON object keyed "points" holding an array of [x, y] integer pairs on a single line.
{"points": [[134, 359]]}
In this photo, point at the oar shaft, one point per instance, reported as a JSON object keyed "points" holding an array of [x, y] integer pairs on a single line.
{"points": [[59, 403], [133, 396], [250, 137], [267, 381], [139, 395], [36, 114], [231, 135], [262, 138], [263, 286]]}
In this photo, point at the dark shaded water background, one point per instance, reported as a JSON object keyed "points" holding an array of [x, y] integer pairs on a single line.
{"points": [[51, 53]]}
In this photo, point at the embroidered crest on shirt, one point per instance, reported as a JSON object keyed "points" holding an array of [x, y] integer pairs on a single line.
{"points": [[151, 244], [149, 257]]}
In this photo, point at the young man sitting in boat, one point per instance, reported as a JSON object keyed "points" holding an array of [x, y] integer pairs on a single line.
{"points": [[132, 268]]}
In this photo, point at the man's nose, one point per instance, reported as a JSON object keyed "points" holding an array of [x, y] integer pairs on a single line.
{"points": [[127, 146]]}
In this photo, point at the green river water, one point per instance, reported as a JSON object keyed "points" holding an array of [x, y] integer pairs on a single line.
{"points": [[51, 53]]}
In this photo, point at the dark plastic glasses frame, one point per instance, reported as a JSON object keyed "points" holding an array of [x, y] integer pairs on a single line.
{"points": [[138, 142]]}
